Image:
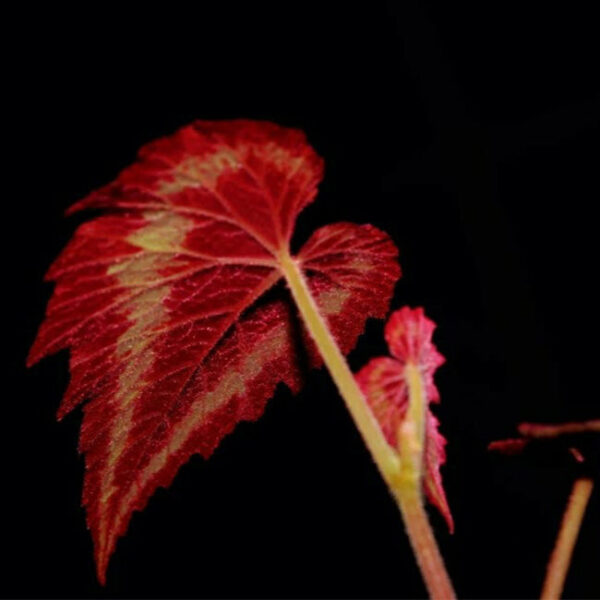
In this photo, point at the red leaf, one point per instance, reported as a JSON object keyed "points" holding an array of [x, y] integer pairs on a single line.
{"points": [[163, 304], [386, 387]]}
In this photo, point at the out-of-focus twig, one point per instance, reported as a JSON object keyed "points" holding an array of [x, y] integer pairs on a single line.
{"points": [[559, 562], [545, 430]]}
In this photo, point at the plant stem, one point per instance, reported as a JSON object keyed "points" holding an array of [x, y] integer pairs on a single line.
{"points": [[404, 485], [558, 565], [424, 545], [411, 444], [384, 456]]}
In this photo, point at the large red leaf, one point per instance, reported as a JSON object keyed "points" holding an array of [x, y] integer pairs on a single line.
{"points": [[386, 387], [163, 304]]}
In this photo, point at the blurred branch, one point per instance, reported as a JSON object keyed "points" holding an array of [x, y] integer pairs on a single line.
{"points": [[560, 559], [544, 430]]}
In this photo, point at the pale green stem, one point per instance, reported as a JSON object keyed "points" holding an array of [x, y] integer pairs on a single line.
{"points": [[404, 482]]}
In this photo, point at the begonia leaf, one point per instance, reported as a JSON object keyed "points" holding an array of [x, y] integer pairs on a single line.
{"points": [[172, 306], [386, 386]]}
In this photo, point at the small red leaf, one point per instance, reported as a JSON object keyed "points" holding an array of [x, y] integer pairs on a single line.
{"points": [[384, 383], [509, 446], [157, 303]]}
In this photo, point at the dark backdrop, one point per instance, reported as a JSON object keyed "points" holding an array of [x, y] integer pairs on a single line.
{"points": [[471, 135]]}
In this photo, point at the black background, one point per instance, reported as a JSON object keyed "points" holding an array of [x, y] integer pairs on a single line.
{"points": [[471, 135]]}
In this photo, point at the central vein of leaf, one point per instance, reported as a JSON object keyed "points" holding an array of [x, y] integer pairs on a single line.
{"points": [[411, 436]]}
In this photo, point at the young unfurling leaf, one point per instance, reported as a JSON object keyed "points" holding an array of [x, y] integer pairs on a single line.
{"points": [[392, 385], [162, 303]]}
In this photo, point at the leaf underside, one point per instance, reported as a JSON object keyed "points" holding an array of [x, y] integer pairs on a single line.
{"points": [[162, 303]]}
